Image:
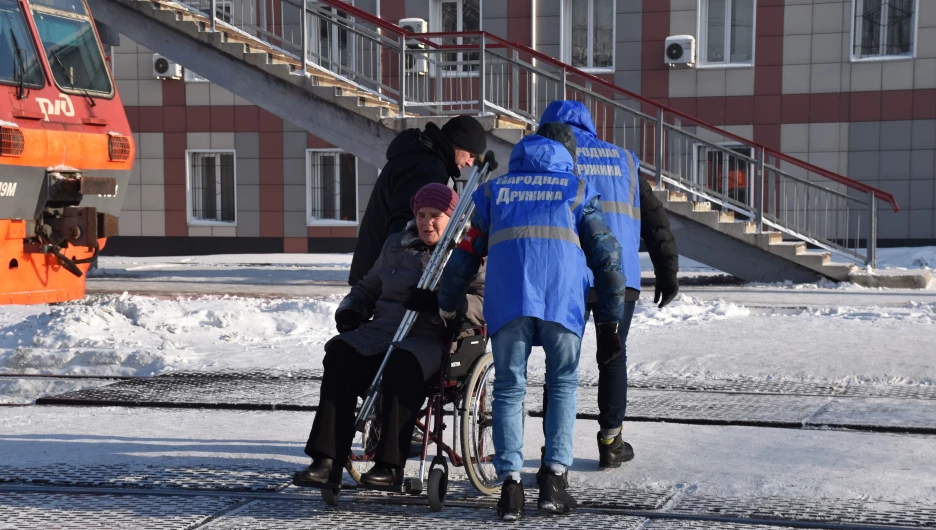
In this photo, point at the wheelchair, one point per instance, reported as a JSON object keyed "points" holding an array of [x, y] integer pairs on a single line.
{"points": [[463, 392]]}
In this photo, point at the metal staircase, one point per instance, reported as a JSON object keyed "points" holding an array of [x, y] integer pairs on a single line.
{"points": [[735, 205]]}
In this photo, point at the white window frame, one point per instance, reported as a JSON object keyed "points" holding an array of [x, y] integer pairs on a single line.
{"points": [[855, 58], [335, 55], [192, 221], [310, 221], [696, 178], [702, 32], [435, 26], [565, 20]]}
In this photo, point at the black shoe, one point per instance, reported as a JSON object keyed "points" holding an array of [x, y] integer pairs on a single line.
{"points": [[613, 453], [510, 505], [383, 475], [553, 497], [319, 471]]}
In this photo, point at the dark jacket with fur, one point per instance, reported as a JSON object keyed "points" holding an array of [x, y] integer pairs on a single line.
{"points": [[415, 158]]}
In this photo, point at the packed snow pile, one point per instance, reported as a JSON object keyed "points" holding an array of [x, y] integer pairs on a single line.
{"points": [[133, 335], [685, 309]]}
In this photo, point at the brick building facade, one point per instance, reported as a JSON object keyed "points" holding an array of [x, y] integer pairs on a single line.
{"points": [[849, 85]]}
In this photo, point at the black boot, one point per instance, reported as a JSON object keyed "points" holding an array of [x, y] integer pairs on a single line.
{"points": [[553, 497], [383, 475], [510, 505], [613, 453], [319, 471]]}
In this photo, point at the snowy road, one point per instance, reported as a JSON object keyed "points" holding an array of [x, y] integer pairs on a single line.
{"points": [[816, 354]]}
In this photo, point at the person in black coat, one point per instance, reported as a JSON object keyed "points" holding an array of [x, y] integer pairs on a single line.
{"points": [[415, 158]]}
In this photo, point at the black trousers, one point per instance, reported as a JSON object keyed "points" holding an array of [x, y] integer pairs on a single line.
{"points": [[347, 375]]}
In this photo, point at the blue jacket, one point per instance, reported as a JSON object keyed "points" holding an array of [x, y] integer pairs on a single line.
{"points": [[612, 172], [539, 226]]}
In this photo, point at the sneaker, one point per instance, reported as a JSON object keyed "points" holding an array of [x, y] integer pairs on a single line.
{"points": [[553, 497], [612, 453], [510, 506]]}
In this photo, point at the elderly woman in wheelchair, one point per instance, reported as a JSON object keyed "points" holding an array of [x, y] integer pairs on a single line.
{"points": [[353, 357]]}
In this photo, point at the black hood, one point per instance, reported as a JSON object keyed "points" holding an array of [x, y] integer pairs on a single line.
{"points": [[429, 141]]}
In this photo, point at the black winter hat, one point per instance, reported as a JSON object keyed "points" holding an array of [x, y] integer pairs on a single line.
{"points": [[466, 133], [562, 133]]}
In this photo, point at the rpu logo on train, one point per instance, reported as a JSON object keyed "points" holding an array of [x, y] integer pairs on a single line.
{"points": [[59, 107], [7, 189]]}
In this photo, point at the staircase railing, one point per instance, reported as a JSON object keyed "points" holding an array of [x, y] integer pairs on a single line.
{"points": [[479, 73]]}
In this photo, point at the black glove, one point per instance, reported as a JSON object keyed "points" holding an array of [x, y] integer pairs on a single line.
{"points": [[422, 300], [667, 286], [609, 343], [348, 320]]}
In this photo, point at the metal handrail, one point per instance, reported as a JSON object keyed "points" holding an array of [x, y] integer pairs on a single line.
{"points": [[424, 38], [489, 73]]}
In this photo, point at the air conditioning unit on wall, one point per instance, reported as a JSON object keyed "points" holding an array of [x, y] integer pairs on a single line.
{"points": [[163, 68], [679, 50], [416, 63]]}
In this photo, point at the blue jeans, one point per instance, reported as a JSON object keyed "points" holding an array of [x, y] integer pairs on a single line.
{"points": [[511, 345], [612, 379]]}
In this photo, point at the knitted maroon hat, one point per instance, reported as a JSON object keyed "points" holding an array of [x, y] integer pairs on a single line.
{"points": [[435, 195]]}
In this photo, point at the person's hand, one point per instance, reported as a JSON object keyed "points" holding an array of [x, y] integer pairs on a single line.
{"points": [[609, 343], [422, 300], [348, 320], [667, 286]]}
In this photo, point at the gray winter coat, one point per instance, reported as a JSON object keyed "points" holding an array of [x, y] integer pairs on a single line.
{"points": [[381, 293]]}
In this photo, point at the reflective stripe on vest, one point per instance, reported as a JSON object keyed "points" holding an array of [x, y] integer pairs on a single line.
{"points": [[534, 232], [622, 208]]}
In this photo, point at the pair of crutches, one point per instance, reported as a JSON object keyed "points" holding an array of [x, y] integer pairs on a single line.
{"points": [[456, 228]]}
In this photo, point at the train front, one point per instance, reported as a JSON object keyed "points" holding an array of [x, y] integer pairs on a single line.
{"points": [[66, 150]]}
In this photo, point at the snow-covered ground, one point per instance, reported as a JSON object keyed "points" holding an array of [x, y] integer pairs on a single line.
{"points": [[812, 333]]}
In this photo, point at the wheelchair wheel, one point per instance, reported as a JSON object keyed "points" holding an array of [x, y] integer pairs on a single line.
{"points": [[476, 427], [363, 448], [436, 489]]}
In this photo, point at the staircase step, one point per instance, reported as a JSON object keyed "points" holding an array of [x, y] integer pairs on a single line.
{"points": [[813, 260], [678, 196], [789, 249], [726, 216], [702, 206]]}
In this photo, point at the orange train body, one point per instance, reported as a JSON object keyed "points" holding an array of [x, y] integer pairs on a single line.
{"points": [[66, 150]]}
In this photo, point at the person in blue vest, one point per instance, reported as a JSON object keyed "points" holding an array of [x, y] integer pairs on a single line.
{"points": [[540, 227], [633, 213]]}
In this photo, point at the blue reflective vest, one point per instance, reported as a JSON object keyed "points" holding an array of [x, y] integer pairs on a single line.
{"points": [[613, 173], [536, 266]]}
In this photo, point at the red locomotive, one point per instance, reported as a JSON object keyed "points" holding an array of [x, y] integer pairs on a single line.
{"points": [[66, 150]]}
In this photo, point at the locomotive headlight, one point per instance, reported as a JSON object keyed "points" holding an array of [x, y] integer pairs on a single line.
{"points": [[118, 147], [12, 142]]}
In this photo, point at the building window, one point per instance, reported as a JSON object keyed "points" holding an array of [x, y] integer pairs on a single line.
{"points": [[211, 188], [726, 171], [589, 34], [331, 184], [883, 29], [331, 45], [726, 32], [457, 16]]}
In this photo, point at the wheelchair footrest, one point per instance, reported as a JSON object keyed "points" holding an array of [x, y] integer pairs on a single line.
{"points": [[411, 486]]}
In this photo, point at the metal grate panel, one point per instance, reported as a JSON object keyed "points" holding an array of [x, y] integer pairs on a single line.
{"points": [[214, 392], [819, 510], [80, 512], [221, 478], [284, 515]]}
